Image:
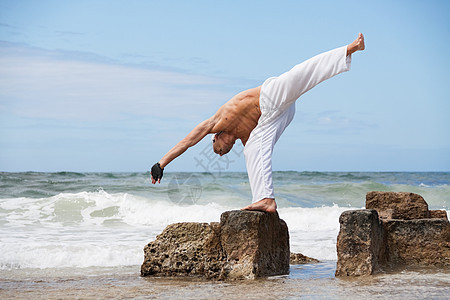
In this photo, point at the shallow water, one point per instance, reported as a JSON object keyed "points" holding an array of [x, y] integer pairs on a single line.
{"points": [[313, 281]]}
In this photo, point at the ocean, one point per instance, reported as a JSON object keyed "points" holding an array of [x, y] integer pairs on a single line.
{"points": [[81, 235]]}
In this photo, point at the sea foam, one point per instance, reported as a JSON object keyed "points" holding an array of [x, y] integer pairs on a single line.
{"points": [[105, 229]]}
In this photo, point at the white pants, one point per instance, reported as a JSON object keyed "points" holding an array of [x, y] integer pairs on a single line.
{"points": [[277, 104]]}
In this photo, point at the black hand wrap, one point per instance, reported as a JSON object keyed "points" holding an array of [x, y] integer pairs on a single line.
{"points": [[157, 171]]}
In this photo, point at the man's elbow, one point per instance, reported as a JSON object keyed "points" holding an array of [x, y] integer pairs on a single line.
{"points": [[187, 143]]}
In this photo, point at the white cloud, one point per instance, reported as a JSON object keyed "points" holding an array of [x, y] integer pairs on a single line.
{"points": [[43, 84], [325, 120]]}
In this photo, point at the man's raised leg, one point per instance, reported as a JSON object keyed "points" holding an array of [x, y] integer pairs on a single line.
{"points": [[267, 205]]}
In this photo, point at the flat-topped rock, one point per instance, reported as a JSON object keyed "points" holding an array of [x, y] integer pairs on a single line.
{"points": [[400, 231], [423, 242], [398, 205], [360, 245], [255, 244], [244, 245]]}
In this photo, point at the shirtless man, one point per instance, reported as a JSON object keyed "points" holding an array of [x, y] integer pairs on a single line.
{"points": [[259, 116]]}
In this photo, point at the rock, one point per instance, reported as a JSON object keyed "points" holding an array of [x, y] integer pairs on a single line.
{"points": [[438, 214], [360, 245], [398, 205], [424, 242], [387, 214], [255, 244], [185, 249], [298, 259], [244, 245], [368, 243]]}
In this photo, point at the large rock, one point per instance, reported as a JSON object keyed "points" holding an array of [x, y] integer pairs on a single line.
{"points": [[369, 242], [360, 245], [255, 244], [398, 205], [421, 242], [185, 249], [245, 245]]}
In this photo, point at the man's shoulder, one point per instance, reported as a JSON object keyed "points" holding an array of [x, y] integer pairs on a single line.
{"points": [[250, 93]]}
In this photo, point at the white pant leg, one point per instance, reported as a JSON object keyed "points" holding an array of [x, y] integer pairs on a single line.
{"points": [[278, 93], [258, 154], [277, 103]]}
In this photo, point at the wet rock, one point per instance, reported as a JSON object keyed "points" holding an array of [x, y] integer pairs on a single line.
{"points": [[424, 242], [360, 245], [184, 249], [244, 245], [255, 244], [368, 242], [299, 259], [398, 205]]}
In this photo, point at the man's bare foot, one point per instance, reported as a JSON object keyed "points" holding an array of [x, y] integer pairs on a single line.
{"points": [[268, 205], [357, 45]]}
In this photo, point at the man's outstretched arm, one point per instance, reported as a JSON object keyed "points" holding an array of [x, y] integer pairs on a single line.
{"points": [[195, 136]]}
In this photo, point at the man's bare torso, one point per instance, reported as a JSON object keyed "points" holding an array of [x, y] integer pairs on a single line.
{"points": [[240, 115]]}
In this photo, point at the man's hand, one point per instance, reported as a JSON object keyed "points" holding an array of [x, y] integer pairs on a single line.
{"points": [[156, 173]]}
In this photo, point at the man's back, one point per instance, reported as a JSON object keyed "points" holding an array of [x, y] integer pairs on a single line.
{"points": [[240, 115]]}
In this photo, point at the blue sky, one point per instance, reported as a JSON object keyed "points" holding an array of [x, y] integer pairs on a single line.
{"points": [[113, 85]]}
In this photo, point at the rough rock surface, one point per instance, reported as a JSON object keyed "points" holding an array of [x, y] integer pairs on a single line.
{"points": [[398, 205], [298, 259], [368, 243], [421, 242], [360, 245], [244, 245], [184, 249], [255, 244], [438, 214]]}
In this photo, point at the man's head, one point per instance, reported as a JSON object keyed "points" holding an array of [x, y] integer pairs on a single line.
{"points": [[223, 142]]}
